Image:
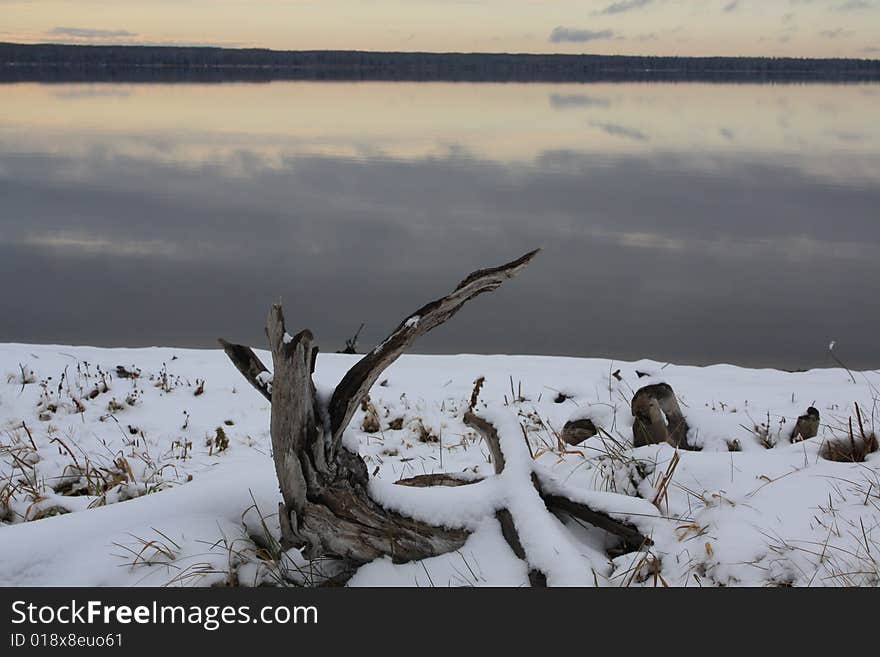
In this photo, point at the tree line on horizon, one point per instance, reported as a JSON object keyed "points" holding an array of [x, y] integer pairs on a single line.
{"points": [[51, 61]]}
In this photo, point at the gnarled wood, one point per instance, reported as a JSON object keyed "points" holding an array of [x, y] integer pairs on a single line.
{"points": [[447, 479], [631, 537], [360, 378], [505, 518], [297, 439], [326, 509], [490, 435], [251, 367], [345, 523]]}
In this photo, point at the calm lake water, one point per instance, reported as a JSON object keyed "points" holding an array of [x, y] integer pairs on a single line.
{"points": [[684, 222]]}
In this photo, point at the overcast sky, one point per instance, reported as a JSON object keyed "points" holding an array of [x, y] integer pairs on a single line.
{"points": [[819, 28]]}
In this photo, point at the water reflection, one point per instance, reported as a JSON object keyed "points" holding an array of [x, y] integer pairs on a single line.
{"points": [[679, 221]]}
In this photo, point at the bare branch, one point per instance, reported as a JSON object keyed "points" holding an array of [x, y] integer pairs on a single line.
{"points": [[246, 361], [489, 434], [357, 382], [632, 538]]}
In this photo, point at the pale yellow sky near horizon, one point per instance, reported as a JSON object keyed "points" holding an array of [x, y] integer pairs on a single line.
{"points": [[798, 28]]}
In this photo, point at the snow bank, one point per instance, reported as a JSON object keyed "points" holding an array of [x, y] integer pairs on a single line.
{"points": [[153, 466]]}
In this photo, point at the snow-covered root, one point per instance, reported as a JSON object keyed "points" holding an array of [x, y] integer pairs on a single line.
{"points": [[547, 545], [524, 500]]}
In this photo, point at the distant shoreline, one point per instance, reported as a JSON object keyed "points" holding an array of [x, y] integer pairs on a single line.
{"points": [[78, 63]]}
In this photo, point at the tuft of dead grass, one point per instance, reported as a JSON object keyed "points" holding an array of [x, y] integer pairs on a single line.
{"points": [[853, 446]]}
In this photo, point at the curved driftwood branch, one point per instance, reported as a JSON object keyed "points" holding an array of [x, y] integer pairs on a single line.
{"points": [[489, 434], [251, 367], [357, 382]]}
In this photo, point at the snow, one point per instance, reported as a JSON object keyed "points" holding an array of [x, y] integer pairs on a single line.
{"points": [[265, 380], [167, 478]]}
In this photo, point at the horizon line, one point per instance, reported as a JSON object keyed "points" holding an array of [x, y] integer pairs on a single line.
{"points": [[423, 52]]}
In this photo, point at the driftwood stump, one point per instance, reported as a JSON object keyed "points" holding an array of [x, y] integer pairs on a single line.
{"points": [[326, 510]]}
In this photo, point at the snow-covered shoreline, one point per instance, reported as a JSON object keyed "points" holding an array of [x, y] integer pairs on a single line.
{"points": [[79, 437]]}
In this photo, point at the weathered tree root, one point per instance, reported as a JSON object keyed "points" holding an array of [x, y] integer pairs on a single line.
{"points": [[439, 479], [504, 517], [631, 537]]}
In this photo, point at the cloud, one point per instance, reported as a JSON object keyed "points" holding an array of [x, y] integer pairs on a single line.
{"points": [[562, 34], [851, 137], [90, 33], [836, 33], [779, 38], [621, 131], [624, 5], [566, 101], [731, 6], [852, 5], [91, 245]]}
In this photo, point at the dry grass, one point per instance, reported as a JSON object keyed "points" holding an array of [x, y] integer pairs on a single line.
{"points": [[854, 445], [27, 485]]}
